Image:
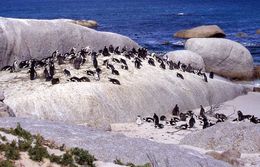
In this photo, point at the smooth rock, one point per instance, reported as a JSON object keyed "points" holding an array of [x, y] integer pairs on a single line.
{"points": [[243, 136], [223, 57], [187, 57], [207, 31], [23, 39], [6, 111], [107, 146]]}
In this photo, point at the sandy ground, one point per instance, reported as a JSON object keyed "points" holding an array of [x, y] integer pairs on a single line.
{"points": [[248, 104]]}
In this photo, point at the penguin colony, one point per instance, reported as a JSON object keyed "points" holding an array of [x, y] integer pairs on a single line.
{"points": [[188, 119], [103, 60]]}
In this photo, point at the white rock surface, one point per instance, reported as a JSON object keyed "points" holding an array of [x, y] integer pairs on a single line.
{"points": [[242, 136], [107, 146], [142, 92], [187, 57], [22, 39], [224, 57]]}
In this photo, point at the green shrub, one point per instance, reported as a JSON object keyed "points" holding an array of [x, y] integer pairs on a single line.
{"points": [[3, 138], [118, 162], [6, 163], [67, 159], [11, 151], [19, 131], [24, 145], [82, 157], [38, 152], [55, 158], [2, 147]]}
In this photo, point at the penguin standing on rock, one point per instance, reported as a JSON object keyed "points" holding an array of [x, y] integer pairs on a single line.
{"points": [[176, 110], [33, 73], [191, 122], [139, 120]]}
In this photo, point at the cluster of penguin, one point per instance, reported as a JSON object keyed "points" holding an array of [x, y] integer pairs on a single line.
{"points": [[78, 59], [189, 119]]}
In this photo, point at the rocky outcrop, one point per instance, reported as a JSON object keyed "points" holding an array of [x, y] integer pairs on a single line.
{"points": [[207, 31], [142, 92], [22, 39], [223, 57], [224, 136], [187, 57], [107, 146], [5, 110]]}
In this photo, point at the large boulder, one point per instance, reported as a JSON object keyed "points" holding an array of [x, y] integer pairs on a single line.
{"points": [[22, 39], [142, 92], [242, 136], [207, 31], [187, 57], [108, 147], [224, 57], [258, 31]]}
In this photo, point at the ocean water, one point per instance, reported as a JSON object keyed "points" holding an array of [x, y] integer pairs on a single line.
{"points": [[151, 23]]}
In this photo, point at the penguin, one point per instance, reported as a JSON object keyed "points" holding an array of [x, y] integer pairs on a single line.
{"points": [[205, 77], [114, 81], [55, 81], [66, 72], [191, 122], [111, 49], [139, 120], [105, 52], [7, 68], [148, 119], [176, 110], [162, 65], [124, 67], [115, 60], [97, 76], [202, 112], [46, 74], [205, 123], [33, 73], [253, 119], [115, 72], [211, 75], [15, 67], [77, 62], [180, 76], [84, 79], [89, 72], [156, 119], [94, 59], [182, 117], [123, 61], [60, 59], [74, 79], [51, 69], [151, 61], [163, 118], [172, 122]]}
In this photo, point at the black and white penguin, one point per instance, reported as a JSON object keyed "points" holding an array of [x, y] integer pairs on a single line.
{"points": [[139, 120], [176, 110], [105, 52], [33, 73], [111, 49], [47, 74], [89, 72], [202, 112], [115, 72], [114, 81], [123, 61], [115, 60], [67, 72], [77, 62], [74, 79], [84, 79], [180, 76], [162, 65], [205, 77], [55, 81], [192, 122], [211, 75], [151, 61], [156, 119]]}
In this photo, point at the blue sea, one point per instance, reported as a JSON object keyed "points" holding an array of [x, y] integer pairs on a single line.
{"points": [[151, 23]]}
